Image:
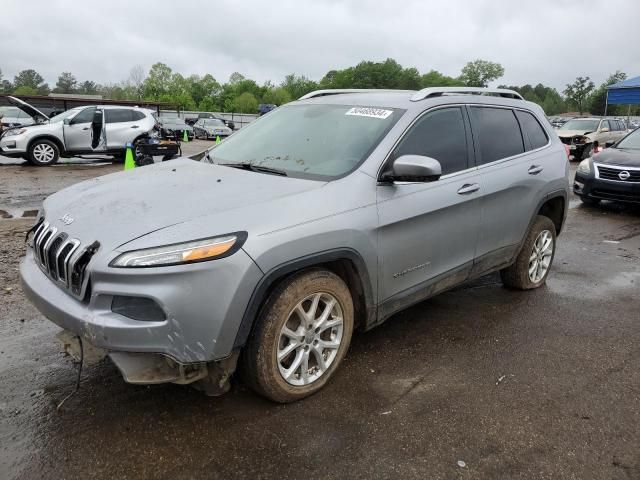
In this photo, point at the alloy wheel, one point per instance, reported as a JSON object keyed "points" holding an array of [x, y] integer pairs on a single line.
{"points": [[541, 255], [44, 153]]}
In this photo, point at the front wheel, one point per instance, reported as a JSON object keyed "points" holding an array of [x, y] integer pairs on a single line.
{"points": [[43, 153], [534, 261], [302, 335]]}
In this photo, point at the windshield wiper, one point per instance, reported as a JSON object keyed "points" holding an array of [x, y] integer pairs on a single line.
{"points": [[254, 168]]}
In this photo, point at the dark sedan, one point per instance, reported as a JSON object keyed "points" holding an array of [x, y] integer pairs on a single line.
{"points": [[613, 174]]}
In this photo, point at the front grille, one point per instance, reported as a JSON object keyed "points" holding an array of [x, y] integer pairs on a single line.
{"points": [[61, 258], [613, 173]]}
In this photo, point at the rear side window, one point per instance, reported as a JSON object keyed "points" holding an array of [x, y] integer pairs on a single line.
{"points": [[497, 132], [117, 115], [441, 135], [136, 115], [532, 129]]}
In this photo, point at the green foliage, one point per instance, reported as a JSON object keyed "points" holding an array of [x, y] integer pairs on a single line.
{"points": [[66, 83], [277, 96], [31, 80], [598, 99], [578, 92], [548, 98], [246, 103], [480, 72], [25, 90], [298, 86], [437, 79]]}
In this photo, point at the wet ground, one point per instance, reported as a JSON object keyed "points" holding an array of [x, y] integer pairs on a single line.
{"points": [[480, 382]]}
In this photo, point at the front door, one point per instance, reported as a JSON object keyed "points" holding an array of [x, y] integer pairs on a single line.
{"points": [[78, 131], [427, 231]]}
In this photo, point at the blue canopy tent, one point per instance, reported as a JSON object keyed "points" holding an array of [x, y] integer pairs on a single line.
{"points": [[626, 92]]}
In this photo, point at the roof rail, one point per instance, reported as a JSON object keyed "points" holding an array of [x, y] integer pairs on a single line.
{"points": [[439, 91], [336, 91]]}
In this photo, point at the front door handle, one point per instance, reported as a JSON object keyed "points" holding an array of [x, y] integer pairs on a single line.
{"points": [[468, 188], [135, 126], [85, 128], [535, 169]]}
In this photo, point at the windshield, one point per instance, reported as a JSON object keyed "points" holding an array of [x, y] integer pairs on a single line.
{"points": [[581, 124], [60, 117], [631, 141], [214, 123], [309, 141]]}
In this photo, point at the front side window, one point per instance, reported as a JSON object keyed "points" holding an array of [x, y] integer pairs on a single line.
{"points": [[311, 141], [497, 132], [631, 141], [117, 115], [440, 135], [85, 116], [532, 129], [605, 124]]}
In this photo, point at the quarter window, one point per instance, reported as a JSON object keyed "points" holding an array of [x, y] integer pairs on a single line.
{"points": [[439, 135], [117, 115], [532, 129], [497, 132], [136, 115]]}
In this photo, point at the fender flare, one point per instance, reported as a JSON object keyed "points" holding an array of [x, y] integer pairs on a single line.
{"points": [[276, 274]]}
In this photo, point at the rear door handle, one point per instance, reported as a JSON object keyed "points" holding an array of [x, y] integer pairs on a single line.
{"points": [[135, 126], [85, 128], [535, 169], [468, 188]]}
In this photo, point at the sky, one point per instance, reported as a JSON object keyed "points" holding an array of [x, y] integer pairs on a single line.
{"points": [[538, 41]]}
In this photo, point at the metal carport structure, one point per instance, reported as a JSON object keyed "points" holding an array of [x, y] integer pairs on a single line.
{"points": [[626, 92]]}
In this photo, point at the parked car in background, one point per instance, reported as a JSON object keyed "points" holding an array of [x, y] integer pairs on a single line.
{"points": [[580, 133], [330, 214], [207, 128], [557, 122], [264, 108], [15, 117], [177, 125], [613, 174], [78, 131], [207, 115]]}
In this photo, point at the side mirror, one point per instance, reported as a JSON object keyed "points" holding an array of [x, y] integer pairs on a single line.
{"points": [[413, 168], [604, 130], [608, 144], [66, 121]]}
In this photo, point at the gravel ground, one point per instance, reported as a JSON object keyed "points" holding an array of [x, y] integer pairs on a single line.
{"points": [[479, 382]]}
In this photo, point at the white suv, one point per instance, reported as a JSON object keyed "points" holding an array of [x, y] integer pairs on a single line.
{"points": [[79, 131]]}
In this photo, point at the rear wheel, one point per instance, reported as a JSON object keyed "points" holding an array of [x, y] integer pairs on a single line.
{"points": [[302, 335], [43, 152], [534, 261]]}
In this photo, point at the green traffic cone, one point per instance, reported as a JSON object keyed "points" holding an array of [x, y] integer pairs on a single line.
{"points": [[217, 139], [185, 137], [129, 163]]}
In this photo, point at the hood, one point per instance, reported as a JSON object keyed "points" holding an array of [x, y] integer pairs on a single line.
{"points": [[25, 107], [572, 133], [618, 156], [118, 208]]}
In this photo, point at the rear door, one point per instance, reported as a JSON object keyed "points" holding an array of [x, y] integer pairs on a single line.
{"points": [[78, 132], [427, 231], [122, 126], [514, 169]]}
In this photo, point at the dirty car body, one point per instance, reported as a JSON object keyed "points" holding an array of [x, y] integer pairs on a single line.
{"points": [[167, 268]]}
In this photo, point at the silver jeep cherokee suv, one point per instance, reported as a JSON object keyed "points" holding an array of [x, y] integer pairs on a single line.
{"points": [[327, 215]]}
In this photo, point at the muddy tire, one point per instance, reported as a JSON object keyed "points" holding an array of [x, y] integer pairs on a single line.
{"points": [[534, 261], [43, 152], [301, 336]]}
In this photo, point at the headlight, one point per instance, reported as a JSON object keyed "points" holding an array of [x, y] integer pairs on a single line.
{"points": [[14, 131], [584, 166], [181, 253]]}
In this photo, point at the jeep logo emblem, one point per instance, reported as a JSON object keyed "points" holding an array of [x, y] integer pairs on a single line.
{"points": [[66, 219]]}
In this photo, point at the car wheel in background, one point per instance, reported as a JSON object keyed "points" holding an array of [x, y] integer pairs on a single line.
{"points": [[43, 152], [534, 261], [301, 336]]}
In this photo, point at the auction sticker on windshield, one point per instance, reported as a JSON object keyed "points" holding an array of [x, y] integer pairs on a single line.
{"points": [[369, 112]]}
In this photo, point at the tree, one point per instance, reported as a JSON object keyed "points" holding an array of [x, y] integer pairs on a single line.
{"points": [[235, 77], [157, 82], [88, 88], [480, 72], [246, 103], [135, 81], [297, 86], [578, 92], [277, 96], [32, 81], [437, 79], [66, 83]]}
